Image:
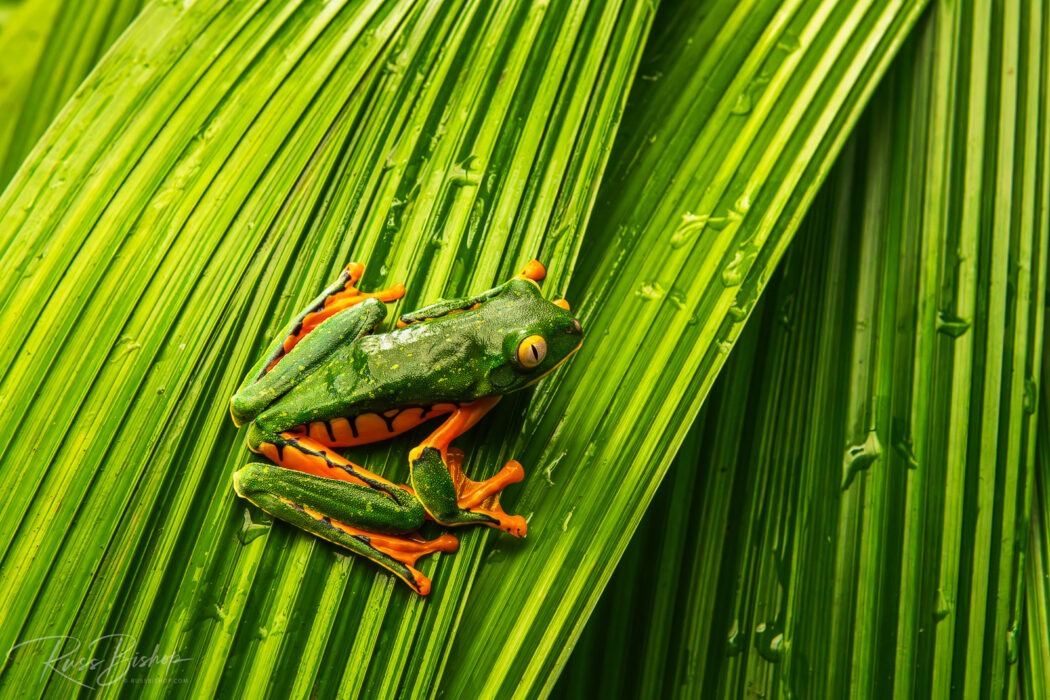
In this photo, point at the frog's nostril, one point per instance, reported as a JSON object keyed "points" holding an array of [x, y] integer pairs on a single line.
{"points": [[576, 326]]}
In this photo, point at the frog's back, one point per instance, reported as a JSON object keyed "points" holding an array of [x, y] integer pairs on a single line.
{"points": [[408, 371]]}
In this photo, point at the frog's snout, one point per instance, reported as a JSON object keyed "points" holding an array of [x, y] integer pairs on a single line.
{"points": [[576, 327]]}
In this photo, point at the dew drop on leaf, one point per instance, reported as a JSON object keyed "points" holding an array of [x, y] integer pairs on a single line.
{"points": [[950, 325], [1030, 393], [859, 458], [690, 225], [250, 529], [789, 42], [1012, 643], [735, 641], [942, 608], [650, 291], [743, 104]]}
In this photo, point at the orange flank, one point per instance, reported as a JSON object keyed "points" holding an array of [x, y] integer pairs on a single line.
{"points": [[309, 456], [373, 427]]}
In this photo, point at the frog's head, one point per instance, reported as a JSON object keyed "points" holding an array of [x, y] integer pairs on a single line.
{"points": [[535, 334]]}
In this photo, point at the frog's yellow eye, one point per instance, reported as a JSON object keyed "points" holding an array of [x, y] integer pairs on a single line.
{"points": [[531, 351]]}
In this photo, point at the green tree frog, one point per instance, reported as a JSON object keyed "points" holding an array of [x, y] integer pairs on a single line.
{"points": [[330, 382]]}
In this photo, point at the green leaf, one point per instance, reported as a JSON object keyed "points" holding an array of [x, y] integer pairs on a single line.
{"points": [[857, 527], [1035, 652], [47, 47], [697, 237], [218, 167]]}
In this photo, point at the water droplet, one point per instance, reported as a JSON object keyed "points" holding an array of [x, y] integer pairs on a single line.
{"points": [[786, 315], [465, 173], [769, 642], [1030, 394], [550, 467], [251, 529], [719, 223], [742, 306], [565, 523], [743, 103], [736, 640], [789, 42], [650, 291], [677, 298], [127, 346], [859, 458], [942, 608], [906, 452], [690, 225], [742, 204], [1012, 643], [950, 325], [733, 273]]}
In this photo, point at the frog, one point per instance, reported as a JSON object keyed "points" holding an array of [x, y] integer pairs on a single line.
{"points": [[333, 380]]}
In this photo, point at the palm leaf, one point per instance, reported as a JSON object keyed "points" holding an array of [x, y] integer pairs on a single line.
{"points": [[220, 164], [838, 531], [47, 47], [216, 151]]}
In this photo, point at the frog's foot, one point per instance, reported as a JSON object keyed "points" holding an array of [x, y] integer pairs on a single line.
{"points": [[348, 514], [339, 296], [447, 494], [453, 499], [482, 497], [395, 553]]}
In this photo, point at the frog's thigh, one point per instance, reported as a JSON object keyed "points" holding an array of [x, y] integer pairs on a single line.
{"points": [[360, 518]]}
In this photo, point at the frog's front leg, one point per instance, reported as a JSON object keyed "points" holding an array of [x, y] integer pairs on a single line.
{"points": [[446, 492], [325, 494]]}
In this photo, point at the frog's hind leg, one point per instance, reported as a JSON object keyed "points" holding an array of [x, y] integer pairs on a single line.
{"points": [[320, 491], [446, 492]]}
